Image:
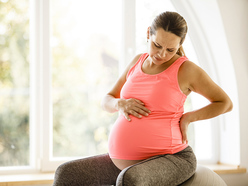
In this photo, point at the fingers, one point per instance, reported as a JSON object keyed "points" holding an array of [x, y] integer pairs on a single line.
{"points": [[184, 123], [138, 101], [131, 112], [134, 107], [135, 113], [127, 116], [140, 108], [185, 139], [184, 134]]}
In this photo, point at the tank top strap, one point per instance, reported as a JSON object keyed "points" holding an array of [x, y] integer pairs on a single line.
{"points": [[138, 64], [179, 62], [173, 69], [142, 59]]}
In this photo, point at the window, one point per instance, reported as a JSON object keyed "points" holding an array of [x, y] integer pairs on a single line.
{"points": [[14, 83], [85, 42], [84, 49]]}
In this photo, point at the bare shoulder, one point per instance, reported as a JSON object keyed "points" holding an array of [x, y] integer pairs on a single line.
{"points": [[115, 91], [189, 67], [130, 65], [193, 75], [134, 60], [190, 70]]}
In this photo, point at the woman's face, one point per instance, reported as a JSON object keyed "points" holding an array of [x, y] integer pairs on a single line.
{"points": [[163, 46]]}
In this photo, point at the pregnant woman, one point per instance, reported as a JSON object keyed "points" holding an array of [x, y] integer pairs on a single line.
{"points": [[149, 138]]}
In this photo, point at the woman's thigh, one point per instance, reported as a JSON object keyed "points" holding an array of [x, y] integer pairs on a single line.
{"points": [[160, 170], [96, 170]]}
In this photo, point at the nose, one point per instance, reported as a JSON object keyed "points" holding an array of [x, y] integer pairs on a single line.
{"points": [[162, 53]]}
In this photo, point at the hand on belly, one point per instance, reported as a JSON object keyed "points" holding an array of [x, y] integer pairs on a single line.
{"points": [[122, 164], [133, 107]]}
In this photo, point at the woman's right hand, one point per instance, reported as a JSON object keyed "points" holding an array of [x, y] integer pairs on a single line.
{"points": [[133, 107]]}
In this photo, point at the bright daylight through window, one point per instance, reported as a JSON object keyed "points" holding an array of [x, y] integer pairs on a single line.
{"points": [[14, 83], [85, 45]]}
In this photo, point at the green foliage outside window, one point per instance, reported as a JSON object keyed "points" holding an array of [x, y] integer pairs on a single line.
{"points": [[14, 83], [80, 127]]}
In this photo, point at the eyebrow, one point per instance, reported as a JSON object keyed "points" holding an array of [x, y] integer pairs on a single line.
{"points": [[161, 46]]}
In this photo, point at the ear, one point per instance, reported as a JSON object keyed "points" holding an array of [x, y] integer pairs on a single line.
{"points": [[148, 32]]}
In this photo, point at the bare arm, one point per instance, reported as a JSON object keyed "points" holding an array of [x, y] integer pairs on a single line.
{"points": [[112, 101], [201, 83]]}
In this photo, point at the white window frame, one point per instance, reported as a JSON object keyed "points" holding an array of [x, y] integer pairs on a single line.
{"points": [[47, 163]]}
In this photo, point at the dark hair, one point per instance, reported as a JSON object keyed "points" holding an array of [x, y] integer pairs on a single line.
{"points": [[171, 22]]}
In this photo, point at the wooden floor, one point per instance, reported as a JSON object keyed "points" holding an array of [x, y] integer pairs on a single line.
{"points": [[27, 179]]}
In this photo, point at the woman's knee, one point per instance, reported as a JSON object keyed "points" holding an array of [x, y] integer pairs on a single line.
{"points": [[164, 170], [130, 176], [62, 170], [64, 175], [187, 160]]}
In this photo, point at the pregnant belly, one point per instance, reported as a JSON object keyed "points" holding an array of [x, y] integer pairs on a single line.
{"points": [[142, 138]]}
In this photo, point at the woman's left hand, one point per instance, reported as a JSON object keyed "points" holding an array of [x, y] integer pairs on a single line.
{"points": [[184, 123]]}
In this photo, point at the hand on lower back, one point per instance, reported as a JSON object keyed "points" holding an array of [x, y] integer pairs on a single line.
{"points": [[184, 123]]}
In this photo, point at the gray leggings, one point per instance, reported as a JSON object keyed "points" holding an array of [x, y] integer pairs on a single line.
{"points": [[159, 170]]}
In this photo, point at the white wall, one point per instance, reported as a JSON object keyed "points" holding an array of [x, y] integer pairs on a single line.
{"points": [[235, 18], [207, 33]]}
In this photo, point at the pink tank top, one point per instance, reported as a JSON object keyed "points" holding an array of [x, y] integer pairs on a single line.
{"points": [[158, 133]]}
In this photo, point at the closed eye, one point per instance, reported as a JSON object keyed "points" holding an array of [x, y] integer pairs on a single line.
{"points": [[169, 50], [157, 45]]}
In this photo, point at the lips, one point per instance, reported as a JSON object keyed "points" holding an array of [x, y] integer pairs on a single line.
{"points": [[158, 59]]}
